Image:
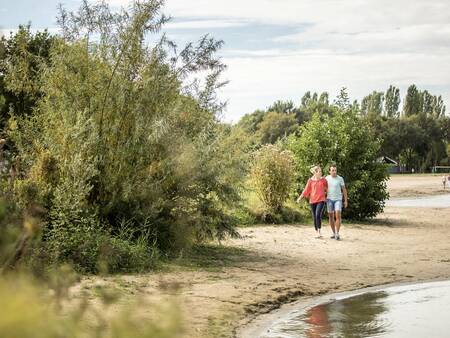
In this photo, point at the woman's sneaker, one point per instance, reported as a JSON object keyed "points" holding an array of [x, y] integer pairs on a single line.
{"points": [[338, 238], [333, 236]]}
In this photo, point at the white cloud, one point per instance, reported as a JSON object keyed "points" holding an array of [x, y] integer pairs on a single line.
{"points": [[362, 44], [198, 24], [257, 82]]}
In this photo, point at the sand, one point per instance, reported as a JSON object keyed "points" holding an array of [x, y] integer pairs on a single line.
{"points": [[274, 265]]}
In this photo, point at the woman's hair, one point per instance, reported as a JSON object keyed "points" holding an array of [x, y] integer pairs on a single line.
{"points": [[314, 169]]}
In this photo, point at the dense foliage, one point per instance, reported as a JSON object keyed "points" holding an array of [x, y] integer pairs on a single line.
{"points": [[123, 153], [416, 135], [272, 175], [347, 142]]}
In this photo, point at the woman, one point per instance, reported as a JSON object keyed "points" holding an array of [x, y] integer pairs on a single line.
{"points": [[316, 190]]}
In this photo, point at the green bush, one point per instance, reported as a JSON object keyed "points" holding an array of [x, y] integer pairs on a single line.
{"points": [[32, 309], [348, 142], [117, 134], [122, 255], [272, 175]]}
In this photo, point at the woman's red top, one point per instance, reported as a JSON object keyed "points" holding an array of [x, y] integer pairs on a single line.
{"points": [[316, 190]]}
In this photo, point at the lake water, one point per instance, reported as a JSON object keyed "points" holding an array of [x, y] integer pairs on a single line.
{"points": [[412, 311], [438, 201]]}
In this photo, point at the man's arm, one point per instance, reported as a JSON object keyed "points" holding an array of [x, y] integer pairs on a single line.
{"points": [[344, 191]]}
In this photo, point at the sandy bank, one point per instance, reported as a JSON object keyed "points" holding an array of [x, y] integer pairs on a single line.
{"points": [[227, 286]]}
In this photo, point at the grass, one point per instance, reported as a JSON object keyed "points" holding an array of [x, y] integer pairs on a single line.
{"points": [[214, 258], [254, 213]]}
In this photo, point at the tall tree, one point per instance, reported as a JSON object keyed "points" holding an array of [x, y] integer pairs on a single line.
{"points": [[392, 101], [372, 104], [21, 56], [438, 110], [342, 101], [281, 106], [427, 103], [413, 102]]}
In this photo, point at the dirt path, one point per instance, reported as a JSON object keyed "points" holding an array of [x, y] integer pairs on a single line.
{"points": [[225, 287]]}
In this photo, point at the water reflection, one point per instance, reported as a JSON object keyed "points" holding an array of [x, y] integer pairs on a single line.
{"points": [[351, 317], [420, 310]]}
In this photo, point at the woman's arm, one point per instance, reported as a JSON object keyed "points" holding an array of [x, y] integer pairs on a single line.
{"points": [[305, 192]]}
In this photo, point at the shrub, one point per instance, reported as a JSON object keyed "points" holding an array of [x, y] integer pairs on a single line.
{"points": [[272, 174], [119, 134], [29, 310], [348, 142]]}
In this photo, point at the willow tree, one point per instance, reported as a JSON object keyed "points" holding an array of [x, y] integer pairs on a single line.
{"points": [[131, 135]]}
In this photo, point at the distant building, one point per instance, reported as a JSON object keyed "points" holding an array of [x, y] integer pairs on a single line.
{"points": [[393, 166]]}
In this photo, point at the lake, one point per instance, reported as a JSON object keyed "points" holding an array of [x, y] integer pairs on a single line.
{"points": [[408, 311], [438, 201]]}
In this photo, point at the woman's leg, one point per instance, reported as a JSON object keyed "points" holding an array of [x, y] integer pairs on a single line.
{"points": [[319, 210], [313, 213]]}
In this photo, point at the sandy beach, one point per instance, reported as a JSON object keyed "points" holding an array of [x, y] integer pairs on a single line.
{"points": [[273, 265]]}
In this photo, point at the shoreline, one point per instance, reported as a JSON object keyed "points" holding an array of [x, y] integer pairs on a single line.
{"points": [[264, 322], [221, 289]]}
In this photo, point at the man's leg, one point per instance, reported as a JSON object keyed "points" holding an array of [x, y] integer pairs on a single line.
{"points": [[331, 221], [330, 209], [337, 212], [338, 221]]}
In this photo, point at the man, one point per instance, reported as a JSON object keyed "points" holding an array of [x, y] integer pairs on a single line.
{"points": [[336, 190]]}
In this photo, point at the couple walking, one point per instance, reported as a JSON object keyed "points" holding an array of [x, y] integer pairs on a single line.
{"points": [[330, 190]]}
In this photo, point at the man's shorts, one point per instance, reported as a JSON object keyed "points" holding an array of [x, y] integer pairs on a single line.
{"points": [[333, 206]]}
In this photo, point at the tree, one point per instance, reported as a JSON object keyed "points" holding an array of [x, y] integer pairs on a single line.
{"points": [[372, 104], [438, 107], [311, 104], [349, 142], [392, 101], [280, 106], [123, 139], [413, 102], [275, 126], [21, 57], [342, 101]]}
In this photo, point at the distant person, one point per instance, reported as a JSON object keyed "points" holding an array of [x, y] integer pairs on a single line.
{"points": [[444, 181], [337, 193], [316, 190]]}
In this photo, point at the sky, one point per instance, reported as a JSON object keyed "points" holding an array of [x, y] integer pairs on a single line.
{"points": [[279, 49]]}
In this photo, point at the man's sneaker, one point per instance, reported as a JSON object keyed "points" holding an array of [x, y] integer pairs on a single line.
{"points": [[338, 237], [333, 236]]}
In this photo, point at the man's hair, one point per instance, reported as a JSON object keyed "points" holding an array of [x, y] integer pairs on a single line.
{"points": [[332, 165]]}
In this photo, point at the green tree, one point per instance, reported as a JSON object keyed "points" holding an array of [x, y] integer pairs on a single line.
{"points": [[250, 122], [438, 107], [349, 142], [280, 106], [311, 104], [413, 102], [342, 101], [372, 104], [392, 102], [122, 138], [21, 56], [275, 126]]}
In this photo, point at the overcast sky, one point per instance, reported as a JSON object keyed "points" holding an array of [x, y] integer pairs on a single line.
{"points": [[279, 49]]}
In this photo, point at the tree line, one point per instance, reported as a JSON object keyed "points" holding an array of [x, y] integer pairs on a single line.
{"points": [[417, 135]]}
